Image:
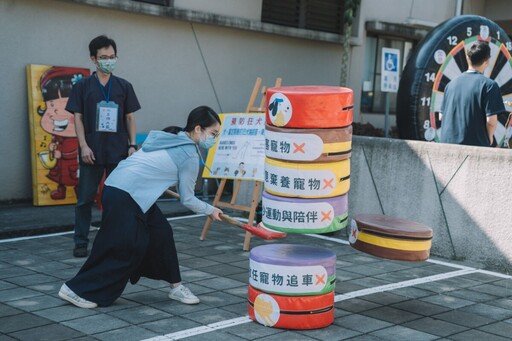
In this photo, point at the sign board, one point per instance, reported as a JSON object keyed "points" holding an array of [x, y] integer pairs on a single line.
{"points": [[240, 149], [53, 141], [390, 67]]}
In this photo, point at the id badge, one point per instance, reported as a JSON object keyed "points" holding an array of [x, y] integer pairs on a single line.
{"points": [[106, 117]]}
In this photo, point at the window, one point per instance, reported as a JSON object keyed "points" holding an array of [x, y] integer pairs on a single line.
{"points": [[372, 99], [318, 15], [158, 2]]}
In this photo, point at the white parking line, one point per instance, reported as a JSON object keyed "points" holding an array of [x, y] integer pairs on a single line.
{"points": [[201, 330], [338, 298], [463, 270], [434, 261], [71, 232], [403, 284]]}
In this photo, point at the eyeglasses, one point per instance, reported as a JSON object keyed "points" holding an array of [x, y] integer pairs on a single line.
{"points": [[103, 57], [215, 135]]}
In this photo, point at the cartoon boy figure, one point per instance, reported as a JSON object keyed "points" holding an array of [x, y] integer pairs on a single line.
{"points": [[241, 169], [56, 84]]}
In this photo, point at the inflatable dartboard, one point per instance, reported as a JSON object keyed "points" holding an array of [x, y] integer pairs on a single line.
{"points": [[292, 269], [439, 58], [291, 312], [307, 180], [309, 106], [308, 145], [297, 215], [390, 237]]}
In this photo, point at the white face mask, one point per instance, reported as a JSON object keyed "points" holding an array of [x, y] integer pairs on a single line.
{"points": [[107, 65], [208, 142]]}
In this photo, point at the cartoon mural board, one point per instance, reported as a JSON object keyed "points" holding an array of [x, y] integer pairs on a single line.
{"points": [[240, 149], [53, 141]]}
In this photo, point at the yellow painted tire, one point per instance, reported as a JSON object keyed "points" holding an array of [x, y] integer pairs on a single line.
{"points": [[307, 180]]}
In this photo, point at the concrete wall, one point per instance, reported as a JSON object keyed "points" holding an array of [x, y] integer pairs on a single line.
{"points": [[462, 192], [173, 65]]}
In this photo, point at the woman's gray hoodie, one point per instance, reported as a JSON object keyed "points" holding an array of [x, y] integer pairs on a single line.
{"points": [[164, 160]]}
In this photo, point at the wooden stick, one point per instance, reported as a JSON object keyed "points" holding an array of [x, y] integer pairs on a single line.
{"points": [[259, 231]]}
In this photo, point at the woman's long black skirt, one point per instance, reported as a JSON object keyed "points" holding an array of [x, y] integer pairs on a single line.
{"points": [[128, 245]]}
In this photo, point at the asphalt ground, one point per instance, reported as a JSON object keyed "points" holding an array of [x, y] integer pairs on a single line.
{"points": [[375, 299]]}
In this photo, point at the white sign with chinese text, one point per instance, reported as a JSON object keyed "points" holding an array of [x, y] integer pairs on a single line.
{"points": [[240, 150], [293, 147], [287, 279]]}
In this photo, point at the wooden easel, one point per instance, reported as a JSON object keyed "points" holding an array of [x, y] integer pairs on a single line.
{"points": [[236, 183]]}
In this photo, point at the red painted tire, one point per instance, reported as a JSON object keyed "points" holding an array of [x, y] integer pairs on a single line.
{"points": [[291, 312], [390, 237], [308, 145], [310, 107]]}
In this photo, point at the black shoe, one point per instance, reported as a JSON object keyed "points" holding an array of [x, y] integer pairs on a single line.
{"points": [[80, 251]]}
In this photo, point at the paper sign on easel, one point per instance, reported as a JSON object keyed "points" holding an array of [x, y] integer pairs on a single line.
{"points": [[240, 150]]}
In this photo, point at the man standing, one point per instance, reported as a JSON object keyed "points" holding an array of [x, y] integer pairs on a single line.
{"points": [[472, 102], [103, 106]]}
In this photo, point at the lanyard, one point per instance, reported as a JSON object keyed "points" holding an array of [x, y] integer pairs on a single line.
{"points": [[107, 95]]}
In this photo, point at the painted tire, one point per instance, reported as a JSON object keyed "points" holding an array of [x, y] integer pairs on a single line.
{"points": [[292, 269], [296, 215], [291, 312], [307, 180], [439, 58], [390, 237], [310, 106], [306, 145]]}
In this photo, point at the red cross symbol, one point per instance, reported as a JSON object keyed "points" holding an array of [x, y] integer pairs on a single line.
{"points": [[328, 183], [354, 231], [320, 279], [299, 148], [326, 215]]}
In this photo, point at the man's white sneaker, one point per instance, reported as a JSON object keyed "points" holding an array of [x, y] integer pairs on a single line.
{"points": [[183, 294], [67, 294]]}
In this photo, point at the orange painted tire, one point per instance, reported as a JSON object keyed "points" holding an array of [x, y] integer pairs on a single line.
{"points": [[390, 237], [291, 312], [308, 145], [310, 106]]}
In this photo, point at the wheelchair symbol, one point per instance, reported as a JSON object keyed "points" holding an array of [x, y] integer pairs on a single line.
{"points": [[390, 64]]}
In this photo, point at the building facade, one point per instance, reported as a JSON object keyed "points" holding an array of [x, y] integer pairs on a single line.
{"points": [[184, 53]]}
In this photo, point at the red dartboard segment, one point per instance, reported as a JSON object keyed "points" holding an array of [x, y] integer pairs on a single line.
{"points": [[291, 312], [310, 107]]}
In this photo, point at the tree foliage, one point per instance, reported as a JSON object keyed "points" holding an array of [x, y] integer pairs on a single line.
{"points": [[349, 14]]}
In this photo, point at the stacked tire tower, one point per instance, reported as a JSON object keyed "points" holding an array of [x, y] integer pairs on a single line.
{"points": [[308, 140]]}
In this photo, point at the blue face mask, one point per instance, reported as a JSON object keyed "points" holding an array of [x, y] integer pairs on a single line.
{"points": [[208, 142]]}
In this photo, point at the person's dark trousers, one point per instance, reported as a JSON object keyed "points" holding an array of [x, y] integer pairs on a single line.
{"points": [[129, 244], [89, 179]]}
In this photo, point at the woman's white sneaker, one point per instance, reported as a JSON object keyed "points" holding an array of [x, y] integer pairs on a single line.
{"points": [[67, 294], [183, 294]]}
